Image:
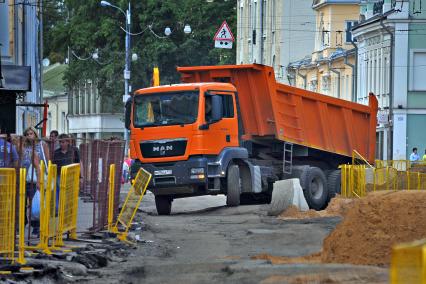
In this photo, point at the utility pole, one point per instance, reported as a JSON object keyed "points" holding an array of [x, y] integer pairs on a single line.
{"points": [[126, 72], [127, 87]]}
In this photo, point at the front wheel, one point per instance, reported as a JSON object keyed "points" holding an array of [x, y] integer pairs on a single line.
{"points": [[233, 186], [163, 204]]}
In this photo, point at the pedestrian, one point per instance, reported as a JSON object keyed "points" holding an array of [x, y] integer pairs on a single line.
{"points": [[65, 155], [414, 157], [126, 169], [31, 162], [8, 154], [54, 143], [40, 146], [424, 157]]}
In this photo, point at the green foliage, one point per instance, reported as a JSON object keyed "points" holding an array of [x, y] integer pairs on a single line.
{"points": [[85, 26]]}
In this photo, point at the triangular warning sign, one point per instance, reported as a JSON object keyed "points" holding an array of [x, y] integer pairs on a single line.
{"points": [[224, 33]]}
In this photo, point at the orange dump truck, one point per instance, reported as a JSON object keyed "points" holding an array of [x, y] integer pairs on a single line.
{"points": [[234, 130]]}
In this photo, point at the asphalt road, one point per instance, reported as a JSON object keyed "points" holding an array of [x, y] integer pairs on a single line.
{"points": [[203, 241]]}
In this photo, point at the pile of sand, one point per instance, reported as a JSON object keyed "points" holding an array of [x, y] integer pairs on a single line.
{"points": [[374, 224], [337, 207], [370, 228]]}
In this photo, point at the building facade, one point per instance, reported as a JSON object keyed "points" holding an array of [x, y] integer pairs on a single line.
{"points": [[274, 33], [94, 116], [55, 94], [392, 64], [20, 65], [330, 68]]}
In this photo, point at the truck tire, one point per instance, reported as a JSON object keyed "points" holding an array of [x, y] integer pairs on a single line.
{"points": [[233, 186], [314, 184], [163, 204], [334, 183]]}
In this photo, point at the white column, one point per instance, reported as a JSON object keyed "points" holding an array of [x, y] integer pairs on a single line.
{"points": [[400, 87]]}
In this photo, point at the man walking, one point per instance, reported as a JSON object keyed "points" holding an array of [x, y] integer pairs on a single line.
{"points": [[65, 155], [8, 154], [414, 157]]}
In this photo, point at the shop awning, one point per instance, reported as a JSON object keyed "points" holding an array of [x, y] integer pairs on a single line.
{"points": [[15, 78]]}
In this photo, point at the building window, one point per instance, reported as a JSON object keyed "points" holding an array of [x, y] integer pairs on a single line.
{"points": [[254, 23], [4, 30], [418, 70], [49, 121], [77, 100], [379, 145], [348, 32], [325, 83], [325, 38], [313, 85], [63, 122]]}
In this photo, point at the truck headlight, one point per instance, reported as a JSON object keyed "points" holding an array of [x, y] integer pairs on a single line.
{"points": [[196, 171], [199, 176]]}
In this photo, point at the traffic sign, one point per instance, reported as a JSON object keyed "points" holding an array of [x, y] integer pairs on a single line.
{"points": [[223, 37]]}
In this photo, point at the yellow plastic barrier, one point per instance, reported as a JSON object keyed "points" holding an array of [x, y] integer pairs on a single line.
{"points": [[111, 196], [22, 192], [385, 179], [408, 264], [48, 220], [68, 202], [7, 213], [131, 205], [353, 180]]}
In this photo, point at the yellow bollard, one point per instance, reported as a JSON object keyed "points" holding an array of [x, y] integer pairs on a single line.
{"points": [[111, 196]]}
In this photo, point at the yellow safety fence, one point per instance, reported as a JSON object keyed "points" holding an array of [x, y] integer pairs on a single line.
{"points": [[353, 180], [68, 202], [7, 213], [400, 165], [358, 180], [48, 220], [408, 264], [131, 204]]}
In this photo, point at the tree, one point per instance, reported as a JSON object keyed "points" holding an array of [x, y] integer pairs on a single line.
{"points": [[90, 27]]}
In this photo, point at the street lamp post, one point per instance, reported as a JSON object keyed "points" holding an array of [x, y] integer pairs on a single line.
{"points": [[126, 73]]}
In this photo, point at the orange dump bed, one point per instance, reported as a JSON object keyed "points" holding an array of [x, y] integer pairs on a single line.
{"points": [[291, 114]]}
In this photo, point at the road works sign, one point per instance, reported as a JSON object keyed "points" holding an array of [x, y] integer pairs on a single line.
{"points": [[223, 37]]}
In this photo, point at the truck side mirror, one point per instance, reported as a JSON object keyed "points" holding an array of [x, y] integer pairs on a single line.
{"points": [[128, 111], [217, 110]]}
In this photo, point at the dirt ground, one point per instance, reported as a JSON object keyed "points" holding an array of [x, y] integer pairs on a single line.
{"points": [[204, 242]]}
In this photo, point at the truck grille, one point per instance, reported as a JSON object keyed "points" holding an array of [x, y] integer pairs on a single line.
{"points": [[163, 148]]}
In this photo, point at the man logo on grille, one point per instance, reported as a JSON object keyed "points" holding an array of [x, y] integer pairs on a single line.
{"points": [[162, 149]]}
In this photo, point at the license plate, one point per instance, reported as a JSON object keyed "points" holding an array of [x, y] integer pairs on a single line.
{"points": [[163, 172]]}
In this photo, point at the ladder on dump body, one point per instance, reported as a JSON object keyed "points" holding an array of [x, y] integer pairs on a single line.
{"points": [[288, 158]]}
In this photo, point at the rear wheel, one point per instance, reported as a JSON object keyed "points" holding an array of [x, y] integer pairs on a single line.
{"points": [[314, 184], [334, 183], [163, 204], [233, 186]]}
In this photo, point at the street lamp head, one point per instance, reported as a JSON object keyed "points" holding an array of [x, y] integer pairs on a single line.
{"points": [[95, 55], [134, 57], [167, 31], [105, 3], [187, 29]]}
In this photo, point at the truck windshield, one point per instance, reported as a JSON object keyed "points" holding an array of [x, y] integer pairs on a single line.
{"points": [[170, 108]]}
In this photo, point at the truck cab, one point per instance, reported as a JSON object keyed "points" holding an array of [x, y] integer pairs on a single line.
{"points": [[185, 135]]}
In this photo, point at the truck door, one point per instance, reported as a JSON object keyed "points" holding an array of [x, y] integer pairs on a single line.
{"points": [[222, 133]]}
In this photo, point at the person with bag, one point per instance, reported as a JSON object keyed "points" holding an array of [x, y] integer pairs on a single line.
{"points": [[40, 146], [31, 162], [65, 155]]}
